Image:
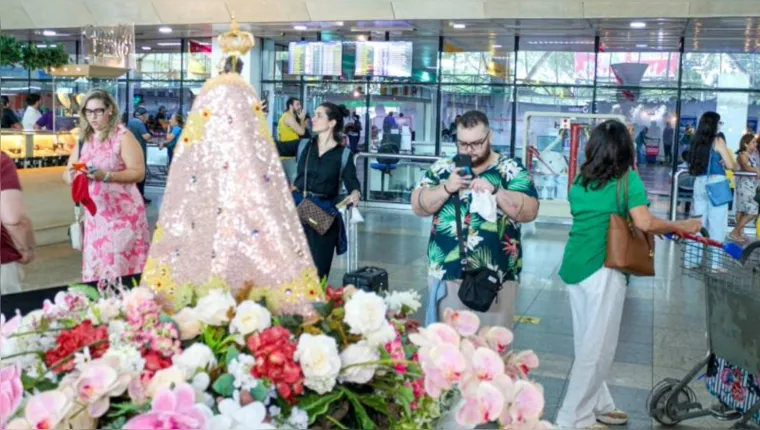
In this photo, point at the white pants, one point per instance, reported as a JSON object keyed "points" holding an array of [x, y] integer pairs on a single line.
{"points": [[11, 275], [714, 218], [597, 305]]}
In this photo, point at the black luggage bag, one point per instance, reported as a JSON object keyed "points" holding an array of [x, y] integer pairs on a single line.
{"points": [[373, 279]]}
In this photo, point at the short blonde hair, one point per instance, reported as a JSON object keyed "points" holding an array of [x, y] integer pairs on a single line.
{"points": [[86, 130]]}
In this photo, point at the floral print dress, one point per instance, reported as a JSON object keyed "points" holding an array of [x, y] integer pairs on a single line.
{"points": [[116, 238]]}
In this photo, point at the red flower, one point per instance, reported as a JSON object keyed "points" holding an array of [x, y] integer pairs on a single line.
{"points": [[273, 351], [69, 342], [335, 295], [154, 362]]}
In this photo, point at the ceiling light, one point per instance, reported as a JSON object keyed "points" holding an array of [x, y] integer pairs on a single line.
{"points": [[49, 33], [165, 30], [458, 26], [361, 38], [299, 27], [169, 44], [496, 46], [339, 23], [638, 24], [146, 48], [642, 45], [42, 45]]}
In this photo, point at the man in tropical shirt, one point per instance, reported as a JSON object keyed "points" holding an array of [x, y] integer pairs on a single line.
{"points": [[492, 245]]}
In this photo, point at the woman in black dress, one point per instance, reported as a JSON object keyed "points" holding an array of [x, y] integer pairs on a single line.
{"points": [[323, 164]]}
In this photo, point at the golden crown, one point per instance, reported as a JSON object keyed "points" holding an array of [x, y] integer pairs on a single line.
{"points": [[236, 42]]}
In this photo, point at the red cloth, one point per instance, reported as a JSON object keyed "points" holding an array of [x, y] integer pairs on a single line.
{"points": [[81, 194], [8, 181]]}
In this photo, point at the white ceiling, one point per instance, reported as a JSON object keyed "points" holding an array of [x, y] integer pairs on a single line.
{"points": [[42, 14]]}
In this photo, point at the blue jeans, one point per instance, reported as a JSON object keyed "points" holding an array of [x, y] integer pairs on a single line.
{"points": [[714, 218]]}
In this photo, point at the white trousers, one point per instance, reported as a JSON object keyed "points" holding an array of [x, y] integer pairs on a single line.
{"points": [[11, 275], [714, 218], [597, 305]]}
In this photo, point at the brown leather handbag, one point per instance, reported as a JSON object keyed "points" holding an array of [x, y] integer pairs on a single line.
{"points": [[629, 249], [309, 212]]}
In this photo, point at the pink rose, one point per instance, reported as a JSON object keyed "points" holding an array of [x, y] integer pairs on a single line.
{"points": [[11, 393]]}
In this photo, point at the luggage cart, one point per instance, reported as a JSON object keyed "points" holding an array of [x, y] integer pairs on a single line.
{"points": [[732, 288]]}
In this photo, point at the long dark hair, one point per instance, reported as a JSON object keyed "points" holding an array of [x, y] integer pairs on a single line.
{"points": [[336, 113], [701, 143], [609, 155], [744, 142]]}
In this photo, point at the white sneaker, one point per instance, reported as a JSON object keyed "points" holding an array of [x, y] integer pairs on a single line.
{"points": [[613, 418]]}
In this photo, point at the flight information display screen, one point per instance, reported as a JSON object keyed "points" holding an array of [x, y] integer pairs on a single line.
{"points": [[393, 59], [315, 58]]}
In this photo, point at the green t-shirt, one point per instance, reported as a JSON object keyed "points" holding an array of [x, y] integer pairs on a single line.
{"points": [[586, 248]]}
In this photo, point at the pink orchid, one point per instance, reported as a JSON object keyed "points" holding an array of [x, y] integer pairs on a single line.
{"points": [[171, 410], [498, 338], [484, 406], [43, 411], [526, 406], [8, 328], [487, 364], [96, 383], [522, 363], [465, 322], [11, 393]]}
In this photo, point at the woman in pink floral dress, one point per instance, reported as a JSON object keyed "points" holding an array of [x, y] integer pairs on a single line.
{"points": [[116, 238]]}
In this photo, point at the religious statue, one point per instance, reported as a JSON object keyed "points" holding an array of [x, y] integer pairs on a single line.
{"points": [[228, 219]]}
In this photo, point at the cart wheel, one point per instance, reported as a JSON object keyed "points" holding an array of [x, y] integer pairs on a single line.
{"points": [[662, 406], [751, 256]]}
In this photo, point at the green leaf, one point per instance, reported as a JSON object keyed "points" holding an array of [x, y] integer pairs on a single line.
{"points": [[88, 291], [259, 392], [375, 402], [291, 322], [490, 227], [43, 384], [316, 405], [231, 354], [405, 397], [224, 385], [324, 309], [453, 255], [364, 421]]}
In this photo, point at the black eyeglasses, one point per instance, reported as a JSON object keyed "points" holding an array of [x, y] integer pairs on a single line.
{"points": [[473, 145], [94, 113]]}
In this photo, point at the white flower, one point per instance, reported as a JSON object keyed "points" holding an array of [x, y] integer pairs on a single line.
{"points": [[274, 411], [436, 272], [240, 369], [134, 298], [130, 359], [398, 299], [82, 358], [214, 308], [380, 337], [365, 312], [298, 419], [250, 317], [165, 378], [188, 323], [232, 416], [358, 353], [200, 384], [319, 360], [197, 357], [107, 309]]}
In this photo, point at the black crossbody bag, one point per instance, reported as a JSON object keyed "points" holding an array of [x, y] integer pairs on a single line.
{"points": [[480, 286]]}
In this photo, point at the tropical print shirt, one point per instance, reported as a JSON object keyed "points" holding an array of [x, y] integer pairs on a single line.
{"points": [[495, 246]]}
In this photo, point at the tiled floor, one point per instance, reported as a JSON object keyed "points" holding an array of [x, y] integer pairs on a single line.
{"points": [[662, 333]]}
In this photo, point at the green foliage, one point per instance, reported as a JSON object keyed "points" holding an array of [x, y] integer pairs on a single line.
{"points": [[259, 392], [362, 418], [40, 384], [316, 405], [224, 385], [230, 355], [13, 52], [405, 397], [88, 291]]}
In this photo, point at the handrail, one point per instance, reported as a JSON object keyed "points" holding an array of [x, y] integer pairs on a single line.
{"points": [[396, 156], [674, 190]]}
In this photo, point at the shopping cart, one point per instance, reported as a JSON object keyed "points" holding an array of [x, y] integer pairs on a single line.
{"points": [[732, 288]]}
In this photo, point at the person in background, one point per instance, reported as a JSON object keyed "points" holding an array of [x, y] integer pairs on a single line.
{"points": [[116, 238], [597, 293], [162, 117], [490, 245], [46, 120], [748, 160], [32, 112], [685, 142], [292, 124], [9, 118], [17, 243], [320, 171], [641, 146], [176, 123], [709, 158], [668, 140], [137, 125], [389, 123]]}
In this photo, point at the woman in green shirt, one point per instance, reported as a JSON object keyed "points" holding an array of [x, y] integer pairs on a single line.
{"points": [[596, 292]]}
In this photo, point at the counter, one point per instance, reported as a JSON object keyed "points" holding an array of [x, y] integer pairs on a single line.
{"points": [[37, 149], [48, 200]]}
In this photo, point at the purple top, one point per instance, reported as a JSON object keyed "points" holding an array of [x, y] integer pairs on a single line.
{"points": [[46, 120]]}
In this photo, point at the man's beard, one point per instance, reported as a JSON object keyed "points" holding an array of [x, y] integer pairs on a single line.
{"points": [[480, 160]]}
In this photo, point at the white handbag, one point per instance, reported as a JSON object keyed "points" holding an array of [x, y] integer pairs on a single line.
{"points": [[76, 230]]}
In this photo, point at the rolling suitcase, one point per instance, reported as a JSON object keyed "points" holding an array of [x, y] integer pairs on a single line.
{"points": [[373, 279]]}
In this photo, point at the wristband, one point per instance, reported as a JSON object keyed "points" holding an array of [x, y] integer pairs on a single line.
{"points": [[495, 190], [446, 189], [107, 177]]}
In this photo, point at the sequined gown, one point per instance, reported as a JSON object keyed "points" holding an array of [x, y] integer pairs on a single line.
{"points": [[227, 219], [116, 238]]}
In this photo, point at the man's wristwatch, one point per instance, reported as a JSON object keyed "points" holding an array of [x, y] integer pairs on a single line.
{"points": [[495, 190]]}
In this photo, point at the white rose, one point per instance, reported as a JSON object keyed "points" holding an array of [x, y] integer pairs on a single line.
{"points": [[214, 308], [358, 353], [135, 297], [197, 356], [319, 360], [398, 299], [188, 323], [365, 312], [380, 337], [165, 378], [108, 309], [250, 317]]}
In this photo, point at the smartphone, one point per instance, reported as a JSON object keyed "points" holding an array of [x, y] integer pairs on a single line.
{"points": [[464, 163]]}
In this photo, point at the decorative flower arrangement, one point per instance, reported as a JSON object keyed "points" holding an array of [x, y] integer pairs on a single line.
{"points": [[112, 359]]}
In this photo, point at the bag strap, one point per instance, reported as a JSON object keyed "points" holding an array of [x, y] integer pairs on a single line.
{"points": [[301, 147], [623, 182], [306, 173], [344, 158], [460, 234]]}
